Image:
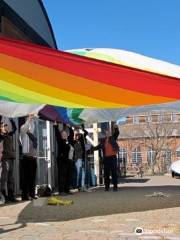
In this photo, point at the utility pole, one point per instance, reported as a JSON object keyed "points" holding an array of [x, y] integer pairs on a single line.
{"points": [[48, 157]]}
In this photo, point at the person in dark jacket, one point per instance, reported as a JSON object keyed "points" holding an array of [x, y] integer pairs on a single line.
{"points": [[109, 147], [64, 158], [1, 143], [2, 199], [78, 142], [7, 161]]}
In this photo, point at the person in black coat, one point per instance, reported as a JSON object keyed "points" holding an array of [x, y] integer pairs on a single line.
{"points": [[109, 147], [7, 161], [64, 158]]}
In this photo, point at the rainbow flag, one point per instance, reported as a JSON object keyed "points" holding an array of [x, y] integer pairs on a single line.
{"points": [[37, 75]]}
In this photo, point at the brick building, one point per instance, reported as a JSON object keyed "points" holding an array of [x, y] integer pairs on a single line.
{"points": [[150, 140]]}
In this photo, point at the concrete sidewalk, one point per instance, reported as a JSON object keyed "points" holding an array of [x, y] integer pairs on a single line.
{"points": [[158, 224], [100, 215]]}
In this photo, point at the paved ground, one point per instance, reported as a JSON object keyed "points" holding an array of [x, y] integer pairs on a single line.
{"points": [[100, 215]]}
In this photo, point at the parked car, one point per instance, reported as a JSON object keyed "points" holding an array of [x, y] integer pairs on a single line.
{"points": [[175, 169]]}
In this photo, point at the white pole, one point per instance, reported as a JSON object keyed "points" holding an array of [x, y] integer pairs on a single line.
{"points": [[96, 153], [16, 167], [48, 127]]}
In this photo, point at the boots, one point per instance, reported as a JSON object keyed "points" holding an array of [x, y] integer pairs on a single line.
{"points": [[11, 197], [5, 197]]}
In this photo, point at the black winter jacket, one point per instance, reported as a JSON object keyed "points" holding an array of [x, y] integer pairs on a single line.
{"points": [[82, 140], [63, 146], [8, 148]]}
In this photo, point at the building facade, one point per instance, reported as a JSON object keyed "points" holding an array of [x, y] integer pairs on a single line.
{"points": [[152, 141], [28, 21]]}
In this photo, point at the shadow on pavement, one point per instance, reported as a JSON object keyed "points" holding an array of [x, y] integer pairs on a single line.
{"points": [[11, 229], [99, 203], [10, 204], [134, 180]]}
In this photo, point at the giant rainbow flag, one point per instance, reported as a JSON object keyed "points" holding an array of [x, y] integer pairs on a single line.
{"points": [[38, 75]]}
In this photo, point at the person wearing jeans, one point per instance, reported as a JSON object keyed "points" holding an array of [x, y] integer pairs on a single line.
{"points": [[80, 174], [78, 142]]}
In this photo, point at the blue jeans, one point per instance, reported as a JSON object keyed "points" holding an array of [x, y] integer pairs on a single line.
{"points": [[80, 173]]}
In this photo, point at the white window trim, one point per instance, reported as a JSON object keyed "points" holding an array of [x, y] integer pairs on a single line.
{"points": [[135, 153], [136, 119], [151, 156]]}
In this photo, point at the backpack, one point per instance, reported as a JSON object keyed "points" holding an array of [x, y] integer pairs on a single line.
{"points": [[44, 190]]}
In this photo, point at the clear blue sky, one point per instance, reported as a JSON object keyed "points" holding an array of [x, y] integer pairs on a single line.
{"points": [[149, 27]]}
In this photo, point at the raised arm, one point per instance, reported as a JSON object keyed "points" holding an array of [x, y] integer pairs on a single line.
{"points": [[98, 147], [14, 128], [71, 135], [1, 137], [33, 139], [116, 132], [25, 127], [57, 133], [85, 133]]}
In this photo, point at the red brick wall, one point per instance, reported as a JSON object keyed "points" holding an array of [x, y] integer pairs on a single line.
{"points": [[130, 144]]}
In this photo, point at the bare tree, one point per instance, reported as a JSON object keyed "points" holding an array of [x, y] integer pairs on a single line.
{"points": [[154, 137], [158, 137]]}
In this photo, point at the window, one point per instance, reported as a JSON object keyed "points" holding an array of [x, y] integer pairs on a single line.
{"points": [[160, 118], [178, 117], [150, 156], [174, 117], [136, 120], [154, 118], [178, 152], [167, 118], [149, 118], [167, 156], [174, 132], [142, 119], [136, 156], [122, 153], [129, 120]]}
